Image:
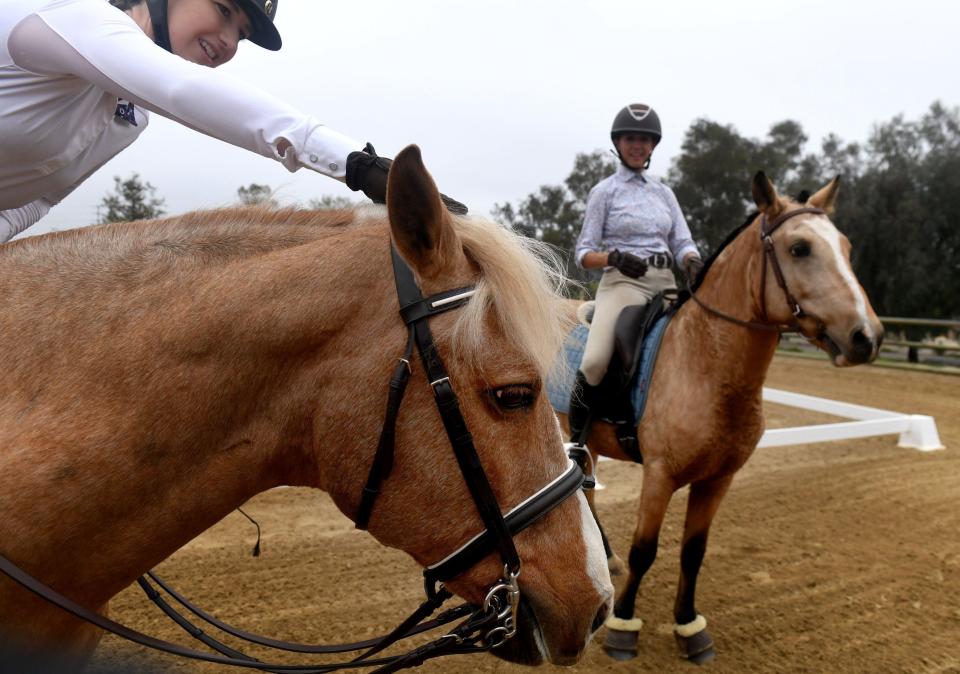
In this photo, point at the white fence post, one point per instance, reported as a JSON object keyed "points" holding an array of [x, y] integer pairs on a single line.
{"points": [[916, 431]]}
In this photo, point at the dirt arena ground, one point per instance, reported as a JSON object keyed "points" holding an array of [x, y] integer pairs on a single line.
{"points": [[833, 557]]}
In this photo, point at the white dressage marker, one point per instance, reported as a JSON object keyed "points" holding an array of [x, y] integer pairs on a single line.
{"points": [[916, 431]]}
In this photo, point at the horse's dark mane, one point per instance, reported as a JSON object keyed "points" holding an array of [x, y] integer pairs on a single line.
{"points": [[684, 295]]}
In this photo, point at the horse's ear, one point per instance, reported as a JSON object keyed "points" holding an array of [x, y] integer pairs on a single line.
{"points": [[826, 195], [419, 222], [765, 196]]}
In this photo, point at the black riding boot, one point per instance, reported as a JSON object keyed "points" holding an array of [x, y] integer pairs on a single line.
{"points": [[579, 416]]}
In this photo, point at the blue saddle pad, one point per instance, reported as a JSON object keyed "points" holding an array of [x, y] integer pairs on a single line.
{"points": [[560, 382]]}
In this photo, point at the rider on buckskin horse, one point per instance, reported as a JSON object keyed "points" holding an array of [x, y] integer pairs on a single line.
{"points": [[78, 76], [633, 229]]}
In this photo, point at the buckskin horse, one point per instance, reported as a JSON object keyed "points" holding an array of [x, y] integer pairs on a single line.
{"points": [[786, 268], [158, 374]]}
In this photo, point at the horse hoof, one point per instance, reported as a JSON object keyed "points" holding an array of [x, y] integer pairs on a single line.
{"points": [[622, 637], [616, 565], [695, 642]]}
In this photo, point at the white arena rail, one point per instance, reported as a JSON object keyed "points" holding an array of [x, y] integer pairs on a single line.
{"points": [[916, 431]]}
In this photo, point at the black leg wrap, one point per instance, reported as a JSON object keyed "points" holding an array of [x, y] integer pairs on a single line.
{"points": [[697, 647], [579, 415], [621, 644]]}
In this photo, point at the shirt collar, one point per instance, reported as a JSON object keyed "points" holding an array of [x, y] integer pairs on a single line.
{"points": [[627, 174]]}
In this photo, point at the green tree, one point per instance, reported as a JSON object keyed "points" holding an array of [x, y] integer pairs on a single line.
{"points": [[554, 213], [132, 199], [902, 213], [711, 176], [329, 203], [899, 200], [255, 194]]}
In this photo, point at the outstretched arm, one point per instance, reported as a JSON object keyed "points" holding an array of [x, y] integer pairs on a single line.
{"points": [[102, 45], [15, 220]]}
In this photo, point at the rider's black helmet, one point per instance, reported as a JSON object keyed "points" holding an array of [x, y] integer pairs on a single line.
{"points": [[636, 118], [261, 13]]}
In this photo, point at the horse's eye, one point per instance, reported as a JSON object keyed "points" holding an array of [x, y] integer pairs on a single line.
{"points": [[513, 397], [800, 249]]}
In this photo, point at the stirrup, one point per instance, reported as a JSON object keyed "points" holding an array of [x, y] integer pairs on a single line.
{"points": [[581, 455]]}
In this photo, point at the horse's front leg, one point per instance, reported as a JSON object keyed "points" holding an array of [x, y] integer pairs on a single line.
{"points": [[614, 564], [623, 628], [690, 629]]}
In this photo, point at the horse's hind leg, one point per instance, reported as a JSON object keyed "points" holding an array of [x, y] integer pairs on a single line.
{"points": [[690, 630], [622, 628]]}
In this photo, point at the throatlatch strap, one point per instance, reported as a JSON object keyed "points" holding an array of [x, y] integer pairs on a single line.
{"points": [[383, 459]]}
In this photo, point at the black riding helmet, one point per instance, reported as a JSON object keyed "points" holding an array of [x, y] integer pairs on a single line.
{"points": [[635, 118], [261, 13]]}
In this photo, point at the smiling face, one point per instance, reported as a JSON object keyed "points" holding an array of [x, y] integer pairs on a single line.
{"points": [[636, 148], [207, 32]]}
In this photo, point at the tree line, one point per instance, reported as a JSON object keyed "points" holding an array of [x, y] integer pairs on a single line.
{"points": [[899, 200]]}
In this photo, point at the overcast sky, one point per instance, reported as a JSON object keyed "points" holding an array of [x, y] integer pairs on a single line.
{"points": [[501, 95]]}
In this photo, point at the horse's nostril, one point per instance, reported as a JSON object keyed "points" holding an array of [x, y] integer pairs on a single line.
{"points": [[600, 618], [862, 346]]}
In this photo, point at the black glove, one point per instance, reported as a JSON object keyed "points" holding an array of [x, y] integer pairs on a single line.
{"points": [[367, 172], [627, 263], [691, 267]]}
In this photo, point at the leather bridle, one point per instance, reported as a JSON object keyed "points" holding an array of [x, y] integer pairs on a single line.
{"points": [[770, 259], [480, 628]]}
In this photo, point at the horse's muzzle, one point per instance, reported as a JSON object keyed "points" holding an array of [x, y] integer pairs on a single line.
{"points": [[858, 348], [528, 645]]}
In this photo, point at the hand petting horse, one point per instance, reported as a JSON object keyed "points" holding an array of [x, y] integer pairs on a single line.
{"points": [[158, 374], [786, 268]]}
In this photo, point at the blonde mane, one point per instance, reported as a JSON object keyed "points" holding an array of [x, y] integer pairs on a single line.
{"points": [[522, 281]]}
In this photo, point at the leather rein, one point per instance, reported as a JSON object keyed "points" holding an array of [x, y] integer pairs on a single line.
{"points": [[770, 258], [479, 628]]}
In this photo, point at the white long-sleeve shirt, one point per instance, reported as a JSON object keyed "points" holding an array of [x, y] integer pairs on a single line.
{"points": [[63, 66]]}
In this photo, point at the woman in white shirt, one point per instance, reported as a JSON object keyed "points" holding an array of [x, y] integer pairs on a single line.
{"points": [[77, 78]]}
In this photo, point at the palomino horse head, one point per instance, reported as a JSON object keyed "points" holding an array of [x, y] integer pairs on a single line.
{"points": [[497, 350], [809, 280], [193, 362]]}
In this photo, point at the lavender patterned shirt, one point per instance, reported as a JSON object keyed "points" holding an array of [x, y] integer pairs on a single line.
{"points": [[634, 213]]}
